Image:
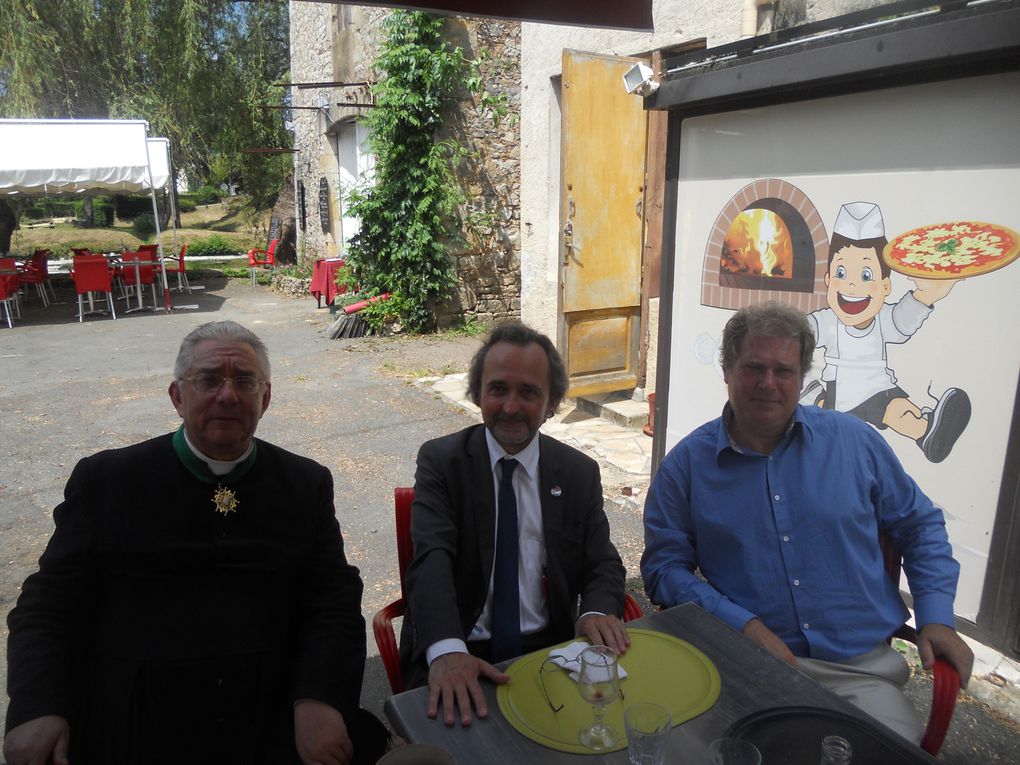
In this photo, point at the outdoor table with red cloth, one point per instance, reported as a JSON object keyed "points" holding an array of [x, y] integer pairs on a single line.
{"points": [[323, 280]]}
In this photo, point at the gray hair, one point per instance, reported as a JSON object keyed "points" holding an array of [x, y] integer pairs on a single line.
{"points": [[770, 319], [520, 334], [230, 331]]}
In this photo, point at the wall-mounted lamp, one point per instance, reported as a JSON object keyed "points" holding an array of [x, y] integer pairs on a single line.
{"points": [[639, 80]]}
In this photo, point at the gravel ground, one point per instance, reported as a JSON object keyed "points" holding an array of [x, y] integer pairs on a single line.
{"points": [[69, 389]]}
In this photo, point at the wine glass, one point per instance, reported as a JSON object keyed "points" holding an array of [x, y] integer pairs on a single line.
{"points": [[599, 684]]}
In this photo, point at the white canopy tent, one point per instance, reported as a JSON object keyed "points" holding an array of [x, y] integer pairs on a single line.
{"points": [[39, 157]]}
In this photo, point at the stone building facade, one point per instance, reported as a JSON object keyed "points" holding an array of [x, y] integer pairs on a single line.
{"points": [[332, 51]]}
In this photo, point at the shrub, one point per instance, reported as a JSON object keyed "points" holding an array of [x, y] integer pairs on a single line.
{"points": [[207, 195], [143, 226], [186, 204], [129, 208], [212, 245]]}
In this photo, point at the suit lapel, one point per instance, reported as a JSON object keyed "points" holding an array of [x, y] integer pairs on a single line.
{"points": [[483, 502], [550, 493]]}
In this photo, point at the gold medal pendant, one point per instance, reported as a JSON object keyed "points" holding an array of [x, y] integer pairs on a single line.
{"points": [[225, 500]]}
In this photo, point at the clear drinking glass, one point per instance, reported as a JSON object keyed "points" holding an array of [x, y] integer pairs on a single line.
{"points": [[647, 727], [599, 684]]}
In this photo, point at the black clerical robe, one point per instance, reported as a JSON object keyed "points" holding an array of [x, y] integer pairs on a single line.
{"points": [[166, 630]]}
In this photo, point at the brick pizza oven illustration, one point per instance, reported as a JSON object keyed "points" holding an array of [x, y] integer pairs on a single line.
{"points": [[768, 243]]}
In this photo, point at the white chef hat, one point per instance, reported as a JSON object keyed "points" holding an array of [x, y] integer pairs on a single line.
{"points": [[859, 220]]}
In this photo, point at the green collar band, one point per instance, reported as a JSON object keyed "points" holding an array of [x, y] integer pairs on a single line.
{"points": [[200, 469]]}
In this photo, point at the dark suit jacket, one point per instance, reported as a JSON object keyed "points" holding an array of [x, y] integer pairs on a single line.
{"points": [[453, 526], [166, 631]]}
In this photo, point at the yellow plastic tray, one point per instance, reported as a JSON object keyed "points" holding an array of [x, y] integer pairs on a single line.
{"points": [[660, 668]]}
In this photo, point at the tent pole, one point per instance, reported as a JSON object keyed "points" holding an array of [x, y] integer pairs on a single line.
{"points": [[155, 218]]}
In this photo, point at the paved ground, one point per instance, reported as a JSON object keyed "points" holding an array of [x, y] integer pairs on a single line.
{"points": [[69, 389]]}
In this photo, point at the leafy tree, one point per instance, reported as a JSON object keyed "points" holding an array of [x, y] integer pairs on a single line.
{"points": [[409, 211], [196, 70]]}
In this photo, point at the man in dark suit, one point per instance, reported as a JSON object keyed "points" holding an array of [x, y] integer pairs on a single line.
{"points": [[561, 562], [194, 603]]}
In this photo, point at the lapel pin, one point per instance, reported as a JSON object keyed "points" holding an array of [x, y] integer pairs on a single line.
{"points": [[556, 491]]}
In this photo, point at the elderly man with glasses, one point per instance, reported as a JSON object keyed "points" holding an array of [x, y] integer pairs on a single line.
{"points": [[194, 603]]}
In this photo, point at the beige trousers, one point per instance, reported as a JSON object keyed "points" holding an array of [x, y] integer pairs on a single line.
{"points": [[874, 682]]}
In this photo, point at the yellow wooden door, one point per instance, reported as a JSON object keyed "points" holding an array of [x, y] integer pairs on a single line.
{"points": [[603, 170]]}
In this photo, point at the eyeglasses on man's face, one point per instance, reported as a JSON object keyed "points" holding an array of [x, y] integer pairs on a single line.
{"points": [[209, 382]]}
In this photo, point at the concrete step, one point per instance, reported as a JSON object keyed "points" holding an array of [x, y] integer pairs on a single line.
{"points": [[619, 408]]}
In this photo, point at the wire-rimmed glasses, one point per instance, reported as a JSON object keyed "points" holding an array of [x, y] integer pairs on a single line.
{"points": [[549, 666], [210, 382]]}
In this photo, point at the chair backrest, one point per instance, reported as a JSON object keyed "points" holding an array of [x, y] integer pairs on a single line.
{"points": [[145, 267], [403, 498], [272, 249], [91, 273], [40, 261], [8, 282]]}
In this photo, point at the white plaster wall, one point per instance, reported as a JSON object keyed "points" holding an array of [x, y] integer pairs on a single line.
{"points": [[542, 48]]}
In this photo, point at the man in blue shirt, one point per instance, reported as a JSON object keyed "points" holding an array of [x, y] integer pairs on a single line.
{"points": [[779, 507]]}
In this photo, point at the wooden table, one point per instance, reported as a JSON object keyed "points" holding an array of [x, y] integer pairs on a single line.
{"points": [[752, 680]]}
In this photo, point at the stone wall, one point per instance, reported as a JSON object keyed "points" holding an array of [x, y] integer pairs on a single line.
{"points": [[338, 43], [487, 262]]}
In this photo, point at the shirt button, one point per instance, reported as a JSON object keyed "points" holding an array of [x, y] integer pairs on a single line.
{"points": [[796, 582], [806, 625], [776, 497], [786, 538]]}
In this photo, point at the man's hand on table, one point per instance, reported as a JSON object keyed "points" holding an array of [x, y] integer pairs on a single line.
{"points": [[756, 631], [938, 641], [453, 680], [320, 734], [33, 742], [603, 629]]}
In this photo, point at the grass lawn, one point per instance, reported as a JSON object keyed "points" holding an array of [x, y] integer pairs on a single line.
{"points": [[222, 219]]}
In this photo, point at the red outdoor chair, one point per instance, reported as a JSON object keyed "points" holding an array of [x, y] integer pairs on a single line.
{"points": [[144, 275], [269, 261], [382, 624], [37, 271], [9, 291], [182, 276], [946, 678], [91, 273]]}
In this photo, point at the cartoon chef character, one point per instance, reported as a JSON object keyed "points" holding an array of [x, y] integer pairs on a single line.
{"points": [[857, 326]]}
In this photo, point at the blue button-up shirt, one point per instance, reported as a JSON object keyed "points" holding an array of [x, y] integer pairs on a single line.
{"points": [[792, 537]]}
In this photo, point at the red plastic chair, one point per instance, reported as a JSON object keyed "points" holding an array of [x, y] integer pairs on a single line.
{"points": [[382, 624], [91, 273], [9, 290], [182, 276], [269, 261], [37, 271], [143, 276], [946, 678]]}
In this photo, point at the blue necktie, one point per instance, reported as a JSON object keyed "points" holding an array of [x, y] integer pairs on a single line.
{"points": [[506, 595]]}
